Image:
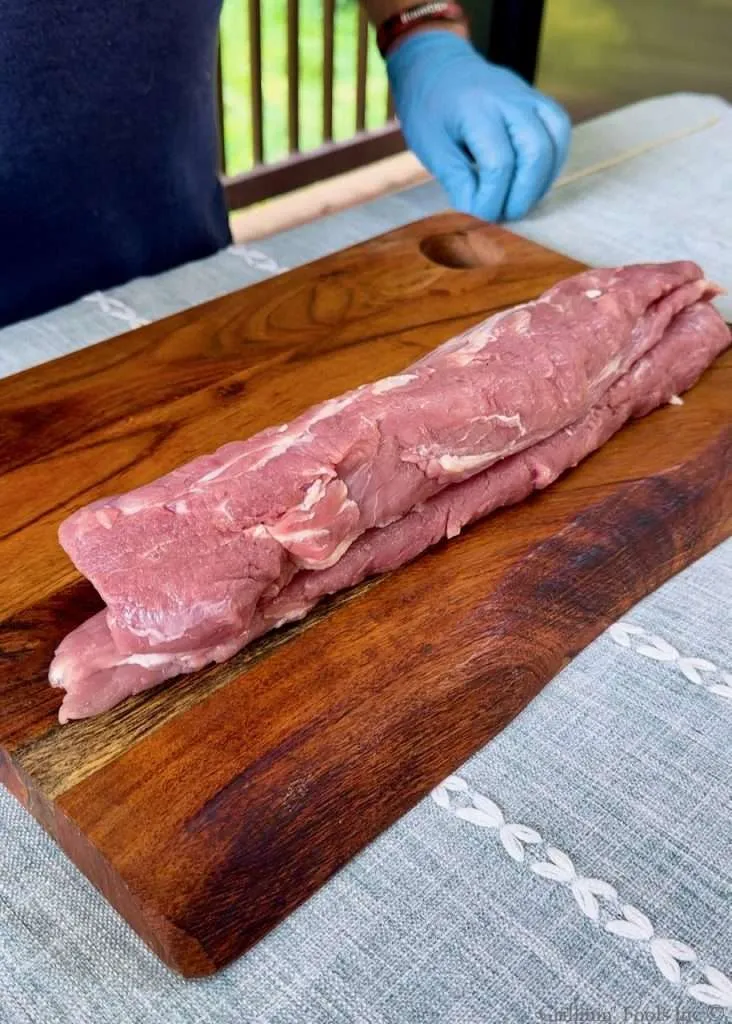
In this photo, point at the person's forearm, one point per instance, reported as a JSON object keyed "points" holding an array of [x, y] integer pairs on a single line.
{"points": [[379, 10]]}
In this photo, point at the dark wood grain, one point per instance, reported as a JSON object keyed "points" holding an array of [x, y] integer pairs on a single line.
{"points": [[210, 808]]}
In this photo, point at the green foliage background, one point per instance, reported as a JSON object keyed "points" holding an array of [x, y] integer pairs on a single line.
{"points": [[236, 78]]}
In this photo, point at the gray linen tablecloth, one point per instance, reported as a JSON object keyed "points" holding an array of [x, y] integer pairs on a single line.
{"points": [[579, 867]]}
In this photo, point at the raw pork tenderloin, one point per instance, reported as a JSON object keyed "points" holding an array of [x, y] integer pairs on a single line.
{"points": [[365, 482]]}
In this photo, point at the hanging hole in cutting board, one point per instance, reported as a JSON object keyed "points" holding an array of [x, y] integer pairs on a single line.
{"points": [[463, 250]]}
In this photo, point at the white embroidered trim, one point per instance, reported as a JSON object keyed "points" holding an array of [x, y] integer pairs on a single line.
{"points": [[597, 899], [256, 259], [117, 309], [655, 647]]}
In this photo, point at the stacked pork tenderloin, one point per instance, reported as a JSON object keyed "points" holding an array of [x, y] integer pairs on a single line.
{"points": [[195, 565]]}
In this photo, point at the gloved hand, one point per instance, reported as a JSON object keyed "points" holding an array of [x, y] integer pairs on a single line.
{"points": [[494, 142]]}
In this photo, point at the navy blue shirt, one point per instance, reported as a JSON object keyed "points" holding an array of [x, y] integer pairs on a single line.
{"points": [[108, 153]]}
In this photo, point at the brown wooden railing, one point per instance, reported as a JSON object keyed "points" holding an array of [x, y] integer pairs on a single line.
{"points": [[507, 31], [255, 60]]}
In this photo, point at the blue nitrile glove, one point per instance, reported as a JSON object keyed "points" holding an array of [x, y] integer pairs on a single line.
{"points": [[494, 142]]}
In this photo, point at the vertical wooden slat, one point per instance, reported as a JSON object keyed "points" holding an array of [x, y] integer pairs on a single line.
{"points": [[220, 116], [293, 73], [255, 71], [362, 68], [328, 67]]}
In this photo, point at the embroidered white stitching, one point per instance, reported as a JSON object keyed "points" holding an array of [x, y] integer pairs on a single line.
{"points": [[117, 309], [648, 645], [598, 900], [256, 259]]}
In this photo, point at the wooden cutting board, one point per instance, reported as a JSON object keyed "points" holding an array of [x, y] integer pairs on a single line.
{"points": [[209, 809]]}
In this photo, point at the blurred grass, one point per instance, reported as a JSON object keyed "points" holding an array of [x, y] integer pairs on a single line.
{"points": [[598, 55], [236, 78]]}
